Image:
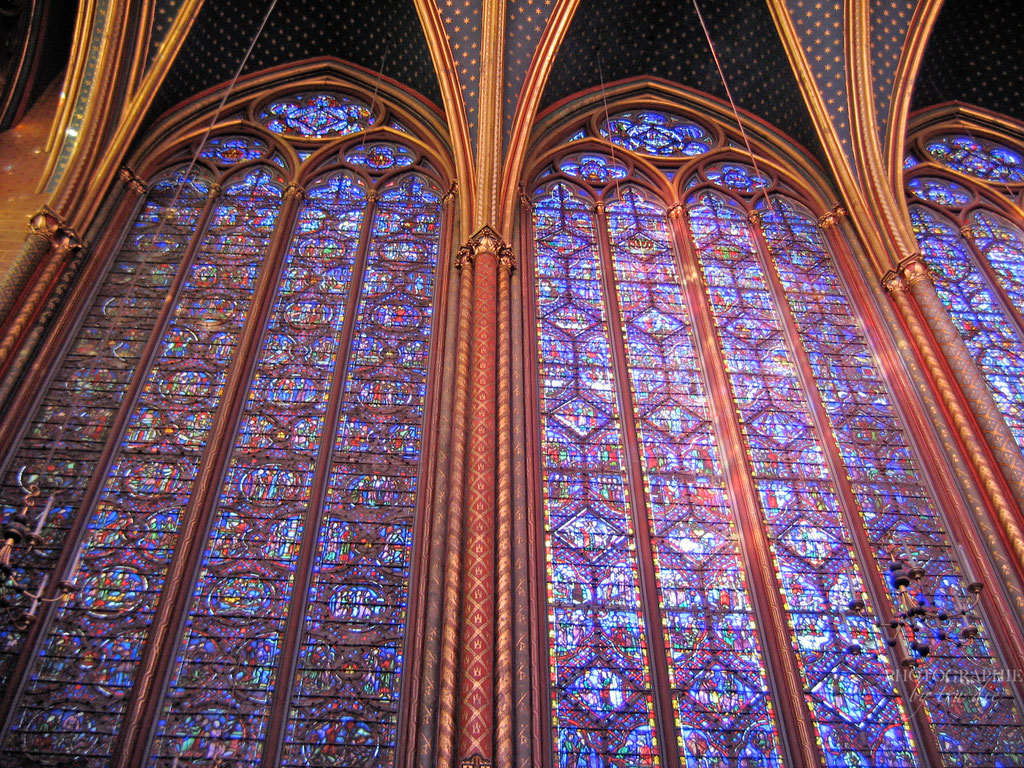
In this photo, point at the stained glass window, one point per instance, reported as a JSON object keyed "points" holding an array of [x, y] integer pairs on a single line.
{"points": [[975, 310], [254, 471], [656, 133], [981, 159], [317, 115], [643, 488]]}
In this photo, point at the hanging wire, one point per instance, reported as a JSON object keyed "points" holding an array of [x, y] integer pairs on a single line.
{"points": [[732, 102], [607, 122], [376, 88], [16, 528]]}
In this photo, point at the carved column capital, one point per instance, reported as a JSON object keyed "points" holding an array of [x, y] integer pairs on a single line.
{"points": [[831, 219], [676, 210], [914, 270], [132, 180], [293, 190], [893, 283], [453, 191], [45, 223]]}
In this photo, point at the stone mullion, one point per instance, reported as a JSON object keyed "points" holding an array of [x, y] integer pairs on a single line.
{"points": [[797, 733], [997, 434], [74, 538], [133, 744], [991, 481]]}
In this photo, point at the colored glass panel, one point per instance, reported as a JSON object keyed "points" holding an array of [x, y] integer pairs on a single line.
{"points": [[344, 706], [381, 157], [992, 340], [230, 150], [720, 690], [898, 515], [600, 680], [656, 133], [95, 642], [940, 191], [593, 168], [67, 434], [317, 115], [1002, 245], [981, 159], [736, 176], [217, 702], [858, 717]]}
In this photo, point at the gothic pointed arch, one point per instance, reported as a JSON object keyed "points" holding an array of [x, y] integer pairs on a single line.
{"points": [[220, 474], [740, 521]]}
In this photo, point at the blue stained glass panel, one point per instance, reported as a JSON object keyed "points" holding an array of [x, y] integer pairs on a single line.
{"points": [[227, 664], [898, 514], [858, 716], [317, 115], [600, 680], [96, 640], [981, 159], [656, 133]]}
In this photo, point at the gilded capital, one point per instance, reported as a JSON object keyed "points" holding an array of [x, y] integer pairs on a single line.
{"points": [[449, 197], [132, 180], [831, 218], [45, 223], [915, 270], [893, 282], [676, 210], [293, 190]]}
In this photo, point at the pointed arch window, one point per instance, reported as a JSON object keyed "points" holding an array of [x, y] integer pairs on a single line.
{"points": [[230, 455], [961, 208], [725, 480]]}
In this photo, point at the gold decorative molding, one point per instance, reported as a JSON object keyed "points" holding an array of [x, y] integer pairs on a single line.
{"points": [[297, 191], [453, 191], [831, 219], [914, 270], [131, 180], [676, 210]]}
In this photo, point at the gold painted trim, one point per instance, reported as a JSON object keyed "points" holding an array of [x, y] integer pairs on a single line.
{"points": [[526, 107], [454, 104]]}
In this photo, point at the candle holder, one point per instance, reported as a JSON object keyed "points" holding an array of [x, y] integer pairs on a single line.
{"points": [[18, 541], [919, 623]]}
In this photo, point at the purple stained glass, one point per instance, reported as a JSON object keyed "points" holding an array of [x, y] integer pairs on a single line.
{"points": [[344, 706], [600, 680], [981, 159], [227, 664], [66, 436], [984, 327], [230, 150], [381, 157], [858, 716], [94, 645], [656, 133], [592, 168], [717, 675], [1002, 245], [899, 517], [941, 191], [736, 176], [317, 115]]}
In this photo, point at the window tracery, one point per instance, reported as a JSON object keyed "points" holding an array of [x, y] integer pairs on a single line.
{"points": [[279, 539], [658, 641], [975, 251]]}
